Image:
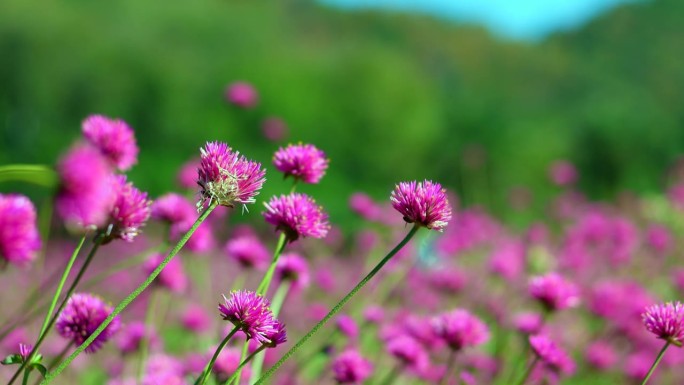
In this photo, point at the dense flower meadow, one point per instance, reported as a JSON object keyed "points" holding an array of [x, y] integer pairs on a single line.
{"points": [[125, 288]]}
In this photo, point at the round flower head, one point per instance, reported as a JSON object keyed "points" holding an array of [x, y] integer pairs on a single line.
{"points": [[274, 129], [409, 352], [601, 355], [303, 162], [563, 173], [250, 312], [173, 208], [297, 215], [195, 319], [460, 329], [85, 194], [294, 268], [347, 326], [248, 251], [666, 321], [227, 177], [130, 212], [19, 237], [554, 292], [351, 368], [241, 94], [551, 355], [424, 203], [114, 138], [172, 277], [83, 314], [131, 335], [276, 336]]}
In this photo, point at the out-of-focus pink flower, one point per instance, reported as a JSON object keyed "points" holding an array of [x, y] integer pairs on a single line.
{"points": [[303, 162], [114, 138], [241, 94], [19, 236], [274, 129], [563, 173], [172, 277], [554, 291]]}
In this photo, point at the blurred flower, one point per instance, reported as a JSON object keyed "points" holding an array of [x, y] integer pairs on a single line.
{"points": [[274, 129], [554, 292], [86, 192], [563, 173], [508, 259], [364, 206], [250, 313], [172, 277], [297, 215], [374, 314], [347, 326], [424, 203], [187, 175], [551, 355], [201, 241], [241, 94], [460, 329], [114, 138], [195, 319], [351, 368], [81, 316], [658, 237], [130, 212], [528, 322], [19, 236], [132, 334], [666, 321], [227, 177], [227, 362], [409, 352], [172, 208], [601, 355], [248, 251], [638, 364], [303, 162], [676, 195], [293, 267]]}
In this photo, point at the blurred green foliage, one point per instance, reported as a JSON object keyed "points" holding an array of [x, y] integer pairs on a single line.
{"points": [[389, 97]]}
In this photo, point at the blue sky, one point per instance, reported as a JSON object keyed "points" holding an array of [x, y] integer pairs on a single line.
{"points": [[516, 19]]}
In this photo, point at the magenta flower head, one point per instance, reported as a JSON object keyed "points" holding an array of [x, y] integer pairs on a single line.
{"points": [[19, 237], [85, 194], [294, 268], [250, 313], [130, 212], [554, 291], [83, 314], [114, 138], [303, 162], [563, 173], [409, 352], [666, 321], [173, 208], [460, 329], [226, 177], [248, 251], [347, 326], [297, 215], [172, 277], [241, 94], [424, 203], [274, 129], [187, 175], [351, 368], [551, 355]]}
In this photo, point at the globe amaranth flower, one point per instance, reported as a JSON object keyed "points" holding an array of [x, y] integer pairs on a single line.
{"points": [[551, 355], [241, 94], [114, 138], [172, 277], [297, 215], [409, 352], [130, 212], [424, 203], [83, 314], [19, 236], [554, 291], [601, 355], [226, 177], [131, 335], [274, 129], [350, 367], [248, 251], [173, 208], [250, 313], [86, 193], [666, 321], [347, 326], [303, 162], [293, 268], [460, 329]]}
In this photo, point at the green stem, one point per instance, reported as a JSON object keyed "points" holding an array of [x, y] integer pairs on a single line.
{"points": [[121, 306], [238, 372], [27, 373], [210, 364], [58, 358], [276, 305], [245, 362], [96, 245], [60, 286], [145, 341], [655, 363], [528, 371], [266, 281], [339, 306], [450, 364]]}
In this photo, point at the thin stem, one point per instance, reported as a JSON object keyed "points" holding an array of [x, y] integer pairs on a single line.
{"points": [[62, 281], [27, 374], [210, 364], [121, 306], [450, 364], [58, 358], [145, 341], [97, 241], [655, 363], [266, 281], [276, 305], [528, 371], [339, 306], [238, 372], [245, 362]]}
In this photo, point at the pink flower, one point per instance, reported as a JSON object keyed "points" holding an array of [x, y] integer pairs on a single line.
{"points": [[303, 162], [666, 321], [424, 203], [130, 212], [460, 329], [554, 292], [351, 368], [19, 236], [563, 173], [172, 277], [551, 355], [241, 94], [114, 138], [297, 215], [274, 129]]}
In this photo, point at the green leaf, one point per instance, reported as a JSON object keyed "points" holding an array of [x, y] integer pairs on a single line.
{"points": [[42, 369], [12, 359], [33, 173]]}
